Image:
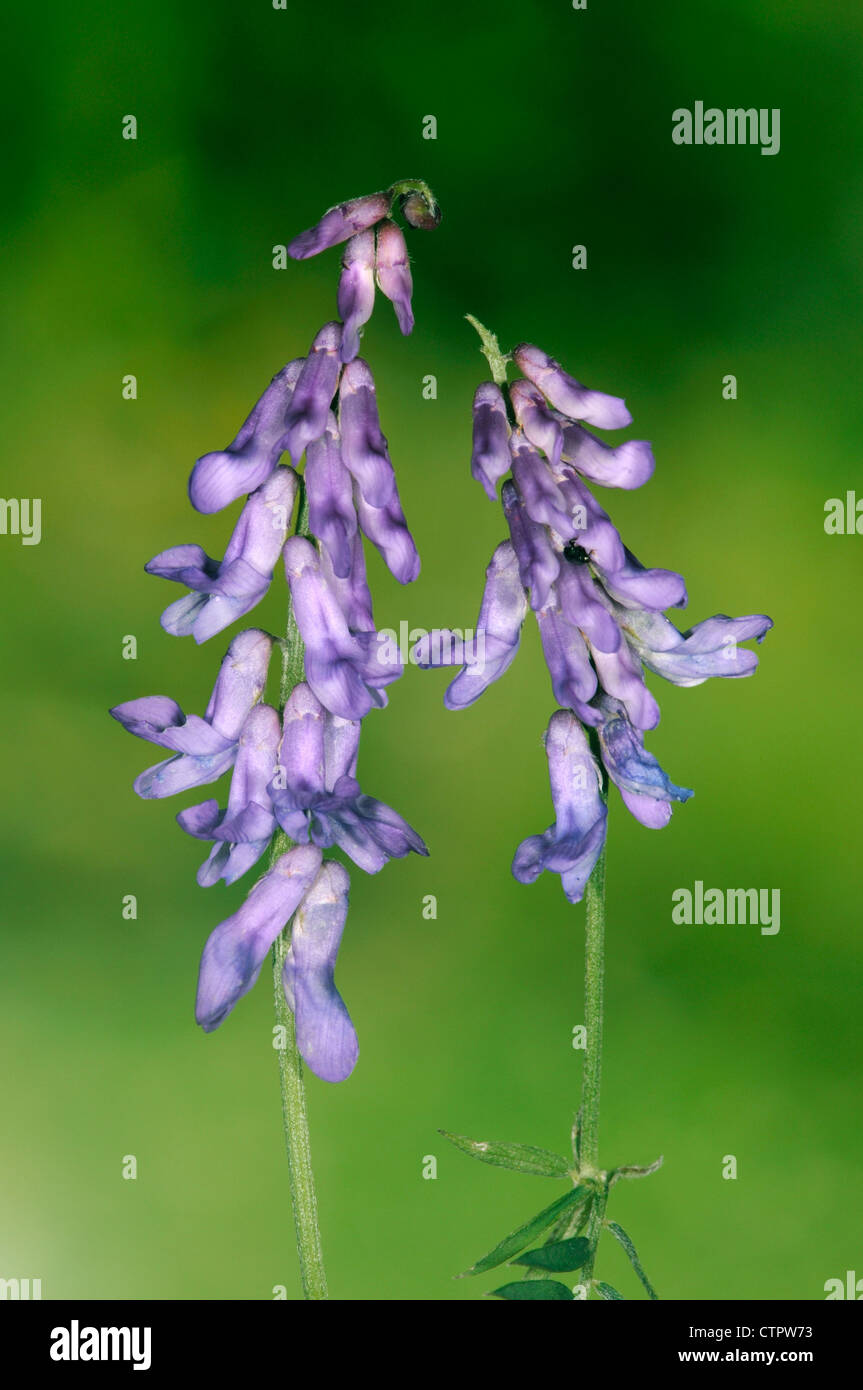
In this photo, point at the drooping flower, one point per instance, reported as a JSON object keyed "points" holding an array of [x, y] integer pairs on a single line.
{"points": [[218, 479], [238, 947], [356, 293], [346, 669], [225, 590], [326, 1036], [309, 408], [242, 832], [203, 748], [490, 456], [343, 221], [393, 272], [316, 797], [573, 843]]}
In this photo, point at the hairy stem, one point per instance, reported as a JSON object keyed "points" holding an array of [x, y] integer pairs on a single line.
{"points": [[294, 1114], [594, 980]]}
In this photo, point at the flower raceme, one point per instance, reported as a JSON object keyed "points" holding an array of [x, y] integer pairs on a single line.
{"points": [[313, 464], [600, 612]]}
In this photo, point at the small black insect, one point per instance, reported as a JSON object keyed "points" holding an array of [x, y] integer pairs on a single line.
{"points": [[576, 554]]}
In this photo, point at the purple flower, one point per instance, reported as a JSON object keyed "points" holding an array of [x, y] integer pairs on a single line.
{"points": [[541, 425], [542, 498], [498, 632], [392, 270], [388, 532], [238, 947], [356, 293], [346, 670], [220, 478], [325, 1035], [490, 460], [332, 516], [364, 446], [707, 649], [645, 788], [242, 832], [203, 748], [315, 794], [307, 414], [629, 465], [339, 223], [571, 846], [566, 394], [539, 564], [224, 591]]}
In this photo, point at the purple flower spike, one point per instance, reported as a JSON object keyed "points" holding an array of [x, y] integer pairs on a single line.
{"points": [[339, 223], [332, 517], [238, 947], [542, 498], [393, 272], [203, 748], [498, 633], [388, 532], [540, 425], [567, 395], [325, 1035], [630, 465], [346, 670], [537, 561], [242, 832], [306, 418], [223, 592], [571, 846], [356, 292], [316, 796], [634, 770], [364, 445], [490, 459], [220, 478]]}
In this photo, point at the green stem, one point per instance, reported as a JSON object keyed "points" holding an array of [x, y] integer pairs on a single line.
{"points": [[490, 349], [294, 1114], [594, 979]]}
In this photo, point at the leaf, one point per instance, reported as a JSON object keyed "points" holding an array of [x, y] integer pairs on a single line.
{"points": [[607, 1292], [518, 1240], [523, 1158], [631, 1170], [562, 1256], [541, 1289], [628, 1246]]}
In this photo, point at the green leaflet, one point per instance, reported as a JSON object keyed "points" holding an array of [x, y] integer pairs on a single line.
{"points": [[561, 1256], [523, 1158], [628, 1246], [518, 1240], [607, 1292], [545, 1289]]}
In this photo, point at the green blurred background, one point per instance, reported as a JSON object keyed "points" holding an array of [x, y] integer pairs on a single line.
{"points": [[154, 257]]}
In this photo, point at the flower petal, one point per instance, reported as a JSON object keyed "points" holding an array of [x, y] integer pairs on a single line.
{"points": [[236, 950], [325, 1035]]}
